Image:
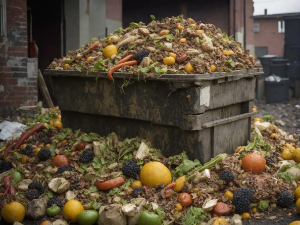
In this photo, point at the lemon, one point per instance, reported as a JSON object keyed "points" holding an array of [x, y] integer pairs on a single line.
{"points": [[71, 210], [57, 124], [13, 212], [296, 155], [169, 61], [136, 184], [219, 221], [297, 222], [189, 68], [154, 173], [110, 50], [286, 154]]}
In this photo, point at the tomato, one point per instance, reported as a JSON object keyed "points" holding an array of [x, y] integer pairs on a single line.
{"points": [[53, 210], [149, 218], [88, 217]]}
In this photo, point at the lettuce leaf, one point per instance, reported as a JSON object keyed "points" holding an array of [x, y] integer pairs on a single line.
{"points": [[193, 216], [185, 166]]}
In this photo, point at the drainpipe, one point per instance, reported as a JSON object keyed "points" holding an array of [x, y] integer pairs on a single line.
{"points": [[234, 9], [245, 24]]}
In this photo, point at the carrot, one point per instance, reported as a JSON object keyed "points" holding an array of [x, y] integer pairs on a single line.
{"points": [[23, 137], [109, 184], [113, 69], [125, 59], [171, 185], [9, 188]]}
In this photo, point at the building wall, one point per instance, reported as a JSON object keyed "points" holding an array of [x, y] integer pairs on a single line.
{"points": [[113, 15], [268, 36], [18, 80]]}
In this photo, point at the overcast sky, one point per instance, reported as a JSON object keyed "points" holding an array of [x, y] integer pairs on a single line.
{"points": [[276, 6]]}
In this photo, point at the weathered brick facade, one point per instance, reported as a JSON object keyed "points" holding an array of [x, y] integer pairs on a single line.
{"points": [[18, 80]]}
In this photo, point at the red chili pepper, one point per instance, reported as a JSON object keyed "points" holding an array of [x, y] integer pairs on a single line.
{"points": [[125, 59], [113, 69], [23, 137], [9, 188]]}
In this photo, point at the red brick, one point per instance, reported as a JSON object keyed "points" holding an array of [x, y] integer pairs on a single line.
{"points": [[3, 63], [5, 103], [6, 75], [11, 48], [19, 54], [19, 88], [21, 49], [12, 81]]}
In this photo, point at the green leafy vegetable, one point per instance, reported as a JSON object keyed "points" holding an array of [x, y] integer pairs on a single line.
{"points": [[286, 176], [144, 70], [185, 166], [93, 40], [161, 70], [258, 144], [152, 17], [268, 118], [99, 67], [118, 31], [78, 68], [226, 69], [160, 212], [231, 62], [263, 204], [167, 36], [193, 216]]}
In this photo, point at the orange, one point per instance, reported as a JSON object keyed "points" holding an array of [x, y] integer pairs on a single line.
{"points": [[296, 155], [229, 195], [46, 222], [219, 221], [110, 50], [297, 193], [254, 163], [246, 216], [71, 210], [212, 68], [290, 147], [154, 173], [173, 55], [169, 61], [286, 154], [57, 124], [136, 184], [13, 212], [188, 68], [297, 222]]}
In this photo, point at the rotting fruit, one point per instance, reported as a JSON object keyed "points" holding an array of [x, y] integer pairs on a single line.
{"points": [[60, 160], [71, 210], [219, 221], [149, 218], [154, 173], [185, 199], [13, 212], [254, 163], [88, 217]]}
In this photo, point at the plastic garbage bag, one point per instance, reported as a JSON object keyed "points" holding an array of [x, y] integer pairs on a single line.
{"points": [[273, 78], [9, 129]]}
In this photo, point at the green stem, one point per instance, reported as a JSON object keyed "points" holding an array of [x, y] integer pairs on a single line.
{"points": [[211, 163]]}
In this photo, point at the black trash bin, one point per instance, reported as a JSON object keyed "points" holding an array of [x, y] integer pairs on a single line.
{"points": [[277, 91], [265, 61], [279, 67]]}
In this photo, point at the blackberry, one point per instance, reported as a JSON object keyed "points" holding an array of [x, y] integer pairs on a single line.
{"points": [[35, 190], [242, 199], [64, 168], [44, 154], [27, 152], [231, 46], [234, 57], [36, 186], [32, 195], [5, 166], [136, 192], [140, 55], [46, 141], [54, 201], [86, 157], [269, 161], [226, 175], [42, 135], [29, 147], [285, 199], [131, 169], [173, 32]]}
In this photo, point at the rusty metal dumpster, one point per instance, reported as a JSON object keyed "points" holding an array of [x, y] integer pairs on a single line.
{"points": [[202, 114]]}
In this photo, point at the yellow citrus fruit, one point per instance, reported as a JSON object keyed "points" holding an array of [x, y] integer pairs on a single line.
{"points": [[297, 222], [12, 212], [297, 193], [110, 50], [212, 68], [66, 66], [229, 194], [57, 124], [154, 173], [286, 154], [169, 61], [296, 155], [245, 216], [71, 210], [219, 221], [290, 147], [182, 41], [36, 151], [189, 68], [171, 54], [136, 184], [298, 205], [199, 31]]}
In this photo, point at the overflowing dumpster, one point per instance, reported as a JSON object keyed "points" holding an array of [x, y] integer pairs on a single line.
{"points": [[203, 115]]}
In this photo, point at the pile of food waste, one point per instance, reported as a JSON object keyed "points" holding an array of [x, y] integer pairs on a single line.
{"points": [[69, 176], [171, 46]]}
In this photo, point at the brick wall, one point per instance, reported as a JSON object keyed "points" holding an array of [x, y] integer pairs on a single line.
{"points": [[18, 80], [268, 36]]}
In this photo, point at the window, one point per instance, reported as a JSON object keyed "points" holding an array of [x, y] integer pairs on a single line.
{"points": [[281, 26], [2, 18], [256, 27]]}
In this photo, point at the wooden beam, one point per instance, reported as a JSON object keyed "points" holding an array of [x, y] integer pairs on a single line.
{"points": [[44, 90]]}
